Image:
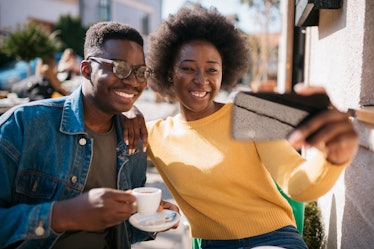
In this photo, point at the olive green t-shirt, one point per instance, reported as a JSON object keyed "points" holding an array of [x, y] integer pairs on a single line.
{"points": [[102, 173]]}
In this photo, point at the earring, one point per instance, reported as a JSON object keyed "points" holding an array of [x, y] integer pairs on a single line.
{"points": [[170, 78]]}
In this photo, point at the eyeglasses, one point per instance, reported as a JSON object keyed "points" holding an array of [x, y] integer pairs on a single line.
{"points": [[123, 69]]}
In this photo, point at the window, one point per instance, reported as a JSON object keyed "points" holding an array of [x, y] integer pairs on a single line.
{"points": [[104, 10]]}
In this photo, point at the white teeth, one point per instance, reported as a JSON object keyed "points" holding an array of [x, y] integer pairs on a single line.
{"points": [[198, 94], [126, 95]]}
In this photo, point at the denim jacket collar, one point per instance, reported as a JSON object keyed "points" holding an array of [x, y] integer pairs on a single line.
{"points": [[72, 121]]}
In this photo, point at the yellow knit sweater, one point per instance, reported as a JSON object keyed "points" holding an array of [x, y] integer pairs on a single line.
{"points": [[225, 187]]}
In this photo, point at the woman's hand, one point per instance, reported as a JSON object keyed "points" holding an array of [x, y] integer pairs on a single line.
{"points": [[134, 128], [331, 132]]}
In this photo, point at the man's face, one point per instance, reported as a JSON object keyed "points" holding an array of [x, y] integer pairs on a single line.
{"points": [[107, 91]]}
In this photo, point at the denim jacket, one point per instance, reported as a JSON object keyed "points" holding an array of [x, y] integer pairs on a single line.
{"points": [[45, 156]]}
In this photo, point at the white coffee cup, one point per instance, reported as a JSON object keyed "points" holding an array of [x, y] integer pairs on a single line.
{"points": [[147, 199]]}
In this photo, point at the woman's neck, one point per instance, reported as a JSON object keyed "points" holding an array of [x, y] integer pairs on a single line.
{"points": [[189, 115]]}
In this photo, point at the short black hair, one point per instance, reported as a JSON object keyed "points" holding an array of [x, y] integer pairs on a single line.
{"points": [[196, 23], [100, 32]]}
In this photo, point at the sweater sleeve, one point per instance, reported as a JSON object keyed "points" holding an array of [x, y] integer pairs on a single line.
{"points": [[301, 179]]}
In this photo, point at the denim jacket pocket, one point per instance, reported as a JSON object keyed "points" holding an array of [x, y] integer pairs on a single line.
{"points": [[35, 187]]}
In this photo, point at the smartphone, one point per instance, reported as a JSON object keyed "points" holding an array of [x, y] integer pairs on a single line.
{"points": [[264, 116]]}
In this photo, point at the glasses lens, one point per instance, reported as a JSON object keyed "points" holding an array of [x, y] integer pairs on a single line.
{"points": [[141, 73], [148, 73], [121, 69]]}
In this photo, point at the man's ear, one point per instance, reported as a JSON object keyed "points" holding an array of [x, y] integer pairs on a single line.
{"points": [[86, 69]]}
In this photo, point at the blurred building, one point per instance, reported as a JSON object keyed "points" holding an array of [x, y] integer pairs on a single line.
{"points": [[144, 15]]}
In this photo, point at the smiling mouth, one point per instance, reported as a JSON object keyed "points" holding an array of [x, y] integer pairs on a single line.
{"points": [[125, 95], [199, 94]]}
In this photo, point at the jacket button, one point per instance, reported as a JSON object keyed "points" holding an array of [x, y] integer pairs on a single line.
{"points": [[82, 141], [39, 231], [73, 179]]}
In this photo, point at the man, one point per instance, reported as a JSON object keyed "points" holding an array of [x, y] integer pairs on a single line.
{"points": [[64, 166]]}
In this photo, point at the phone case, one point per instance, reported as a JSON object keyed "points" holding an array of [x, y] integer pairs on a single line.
{"points": [[270, 116]]}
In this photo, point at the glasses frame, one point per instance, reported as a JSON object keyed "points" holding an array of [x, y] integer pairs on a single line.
{"points": [[117, 66]]}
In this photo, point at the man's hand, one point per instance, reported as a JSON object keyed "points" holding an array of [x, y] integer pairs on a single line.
{"points": [[331, 132], [134, 128], [169, 206], [94, 210]]}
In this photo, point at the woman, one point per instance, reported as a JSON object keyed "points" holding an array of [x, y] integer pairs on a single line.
{"points": [[47, 70], [43, 85], [227, 188], [68, 66]]}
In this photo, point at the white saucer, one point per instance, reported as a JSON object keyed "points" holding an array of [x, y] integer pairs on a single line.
{"points": [[155, 223]]}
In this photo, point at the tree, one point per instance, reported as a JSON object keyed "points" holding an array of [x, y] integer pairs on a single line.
{"points": [[266, 12], [30, 41], [71, 33]]}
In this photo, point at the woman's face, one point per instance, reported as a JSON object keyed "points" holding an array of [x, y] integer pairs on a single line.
{"points": [[197, 76]]}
